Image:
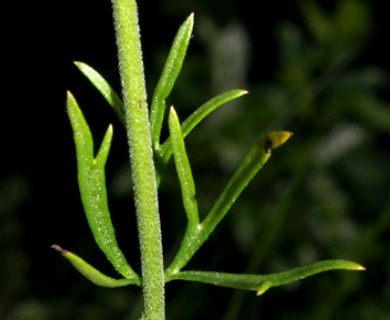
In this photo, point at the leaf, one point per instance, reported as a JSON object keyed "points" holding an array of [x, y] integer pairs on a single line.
{"points": [[255, 159], [104, 88], [261, 283], [274, 139], [92, 274], [317, 21], [168, 77], [353, 20], [183, 169], [92, 185], [197, 116], [246, 171]]}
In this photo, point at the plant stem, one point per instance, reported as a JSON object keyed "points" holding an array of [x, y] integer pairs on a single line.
{"points": [[141, 155]]}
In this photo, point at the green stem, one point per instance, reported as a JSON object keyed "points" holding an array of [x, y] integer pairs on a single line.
{"points": [[141, 155]]}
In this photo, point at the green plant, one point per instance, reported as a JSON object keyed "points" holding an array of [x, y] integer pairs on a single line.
{"points": [[149, 158]]}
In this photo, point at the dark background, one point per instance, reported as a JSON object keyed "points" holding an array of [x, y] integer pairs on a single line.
{"points": [[323, 195]]}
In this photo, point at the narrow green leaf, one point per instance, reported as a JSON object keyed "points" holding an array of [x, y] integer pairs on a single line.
{"points": [[104, 88], [92, 185], [196, 117], [246, 171], [168, 77], [183, 169], [92, 274], [163, 154], [261, 283]]}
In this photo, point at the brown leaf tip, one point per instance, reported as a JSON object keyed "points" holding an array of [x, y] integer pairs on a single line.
{"points": [[57, 248]]}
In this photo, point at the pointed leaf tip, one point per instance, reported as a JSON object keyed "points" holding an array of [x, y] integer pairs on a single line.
{"points": [[69, 94]]}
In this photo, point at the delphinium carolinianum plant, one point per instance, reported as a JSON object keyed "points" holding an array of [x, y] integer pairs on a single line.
{"points": [[149, 157]]}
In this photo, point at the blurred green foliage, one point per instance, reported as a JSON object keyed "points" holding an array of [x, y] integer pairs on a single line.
{"points": [[326, 194]]}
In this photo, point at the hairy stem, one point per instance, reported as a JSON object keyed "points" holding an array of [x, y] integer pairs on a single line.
{"points": [[141, 155]]}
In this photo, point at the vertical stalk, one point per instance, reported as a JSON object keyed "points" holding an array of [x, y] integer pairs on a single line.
{"points": [[141, 155]]}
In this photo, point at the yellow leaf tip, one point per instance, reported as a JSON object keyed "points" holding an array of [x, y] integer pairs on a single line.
{"points": [[274, 139], [263, 288]]}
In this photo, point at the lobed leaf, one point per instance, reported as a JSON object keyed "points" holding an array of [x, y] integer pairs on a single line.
{"points": [[261, 283], [92, 185]]}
